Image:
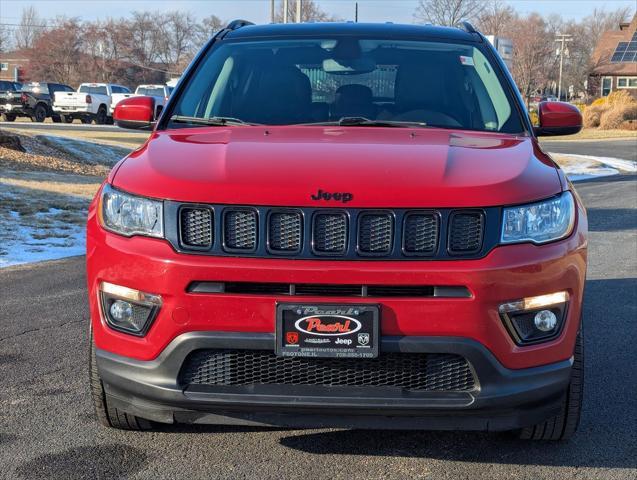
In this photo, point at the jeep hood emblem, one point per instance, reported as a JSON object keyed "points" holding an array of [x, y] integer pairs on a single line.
{"points": [[338, 196]]}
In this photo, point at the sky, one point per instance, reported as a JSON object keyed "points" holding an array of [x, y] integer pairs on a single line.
{"points": [[258, 11]]}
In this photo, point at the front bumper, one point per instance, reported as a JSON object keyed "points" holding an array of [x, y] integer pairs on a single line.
{"points": [[504, 399]]}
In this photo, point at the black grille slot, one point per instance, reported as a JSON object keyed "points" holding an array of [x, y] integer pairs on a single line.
{"points": [[257, 288], [465, 232], [195, 227], [327, 290], [330, 233], [375, 234], [400, 291], [240, 229], [284, 231], [421, 234], [409, 371]]}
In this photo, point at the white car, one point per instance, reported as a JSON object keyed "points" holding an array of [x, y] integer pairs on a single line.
{"points": [[91, 102], [160, 93]]}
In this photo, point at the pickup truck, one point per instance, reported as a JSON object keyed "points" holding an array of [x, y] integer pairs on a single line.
{"points": [[160, 93], [7, 90], [91, 102], [33, 101]]}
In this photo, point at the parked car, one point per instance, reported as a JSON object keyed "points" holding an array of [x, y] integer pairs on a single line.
{"points": [[160, 94], [400, 254], [7, 91], [33, 100], [91, 102]]}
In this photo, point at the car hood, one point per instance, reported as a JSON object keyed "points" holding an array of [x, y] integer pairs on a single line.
{"points": [[379, 167]]}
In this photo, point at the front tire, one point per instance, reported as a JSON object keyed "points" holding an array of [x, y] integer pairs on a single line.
{"points": [[8, 117], [39, 114], [564, 425], [107, 415], [100, 119]]}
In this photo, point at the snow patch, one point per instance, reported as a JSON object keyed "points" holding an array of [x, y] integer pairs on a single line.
{"points": [[48, 238], [594, 167]]}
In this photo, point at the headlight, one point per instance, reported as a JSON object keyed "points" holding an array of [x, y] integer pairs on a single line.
{"points": [[131, 215], [539, 222]]}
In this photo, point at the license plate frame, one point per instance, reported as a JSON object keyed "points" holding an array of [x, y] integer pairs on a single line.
{"points": [[327, 330]]}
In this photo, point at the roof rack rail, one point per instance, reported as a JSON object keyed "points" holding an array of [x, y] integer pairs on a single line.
{"points": [[466, 26], [236, 24]]}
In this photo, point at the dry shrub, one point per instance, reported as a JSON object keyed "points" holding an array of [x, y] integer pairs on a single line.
{"points": [[629, 125], [600, 102], [617, 115], [592, 116], [619, 97]]}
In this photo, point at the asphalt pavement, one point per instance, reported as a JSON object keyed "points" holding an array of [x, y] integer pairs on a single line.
{"points": [[77, 127], [48, 429], [625, 149]]}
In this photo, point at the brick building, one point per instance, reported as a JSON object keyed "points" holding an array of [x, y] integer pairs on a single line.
{"points": [[615, 60]]}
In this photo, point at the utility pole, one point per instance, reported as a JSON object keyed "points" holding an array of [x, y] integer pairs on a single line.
{"points": [[298, 11], [271, 11], [562, 50], [285, 11], [356, 12]]}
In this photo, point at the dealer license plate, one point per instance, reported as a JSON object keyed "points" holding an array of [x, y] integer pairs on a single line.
{"points": [[327, 330]]}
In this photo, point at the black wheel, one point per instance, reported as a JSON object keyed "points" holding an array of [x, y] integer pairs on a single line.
{"points": [[87, 120], [56, 118], [66, 119], [9, 117], [101, 116], [39, 114], [564, 425], [107, 415]]}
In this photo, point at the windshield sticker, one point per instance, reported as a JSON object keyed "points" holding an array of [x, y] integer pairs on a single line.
{"points": [[468, 61]]}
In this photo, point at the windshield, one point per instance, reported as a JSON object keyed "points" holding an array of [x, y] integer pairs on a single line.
{"points": [[300, 81], [151, 91], [95, 90]]}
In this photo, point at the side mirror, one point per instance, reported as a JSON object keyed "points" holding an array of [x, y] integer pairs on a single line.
{"points": [[558, 118], [136, 113]]}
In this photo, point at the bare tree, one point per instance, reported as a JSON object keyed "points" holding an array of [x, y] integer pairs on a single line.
{"points": [[448, 12], [310, 12], [4, 39], [56, 53], [206, 29], [533, 53], [30, 28], [496, 18]]}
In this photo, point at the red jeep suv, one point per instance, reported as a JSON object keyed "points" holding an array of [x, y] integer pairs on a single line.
{"points": [[340, 225]]}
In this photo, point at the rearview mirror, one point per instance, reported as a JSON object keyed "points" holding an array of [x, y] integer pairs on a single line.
{"points": [[136, 113], [558, 118]]}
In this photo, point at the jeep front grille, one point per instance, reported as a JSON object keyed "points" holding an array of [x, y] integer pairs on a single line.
{"points": [[313, 233], [409, 371]]}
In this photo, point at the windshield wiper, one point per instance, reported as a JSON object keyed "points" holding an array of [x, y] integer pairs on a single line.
{"points": [[209, 121], [366, 122]]}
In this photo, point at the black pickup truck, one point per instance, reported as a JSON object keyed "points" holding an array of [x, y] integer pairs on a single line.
{"points": [[34, 100], [7, 90]]}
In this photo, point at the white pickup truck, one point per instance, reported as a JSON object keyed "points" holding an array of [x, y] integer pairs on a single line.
{"points": [[160, 93], [92, 101]]}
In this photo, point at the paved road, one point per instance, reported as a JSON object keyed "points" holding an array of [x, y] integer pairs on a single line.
{"points": [[624, 148], [77, 127], [47, 428]]}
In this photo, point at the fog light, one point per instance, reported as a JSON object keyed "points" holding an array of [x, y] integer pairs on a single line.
{"points": [[121, 311], [128, 310], [535, 319], [545, 320]]}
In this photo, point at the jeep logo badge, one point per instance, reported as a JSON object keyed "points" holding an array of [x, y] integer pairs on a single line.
{"points": [[338, 196]]}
